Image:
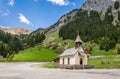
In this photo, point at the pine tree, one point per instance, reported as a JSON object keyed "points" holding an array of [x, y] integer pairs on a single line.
{"points": [[118, 15], [116, 5]]}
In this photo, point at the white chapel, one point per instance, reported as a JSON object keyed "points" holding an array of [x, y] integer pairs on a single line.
{"points": [[75, 55]]}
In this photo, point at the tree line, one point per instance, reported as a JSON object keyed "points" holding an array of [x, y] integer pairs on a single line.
{"points": [[12, 44]]}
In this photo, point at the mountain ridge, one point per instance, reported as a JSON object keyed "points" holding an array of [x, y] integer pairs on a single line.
{"points": [[56, 26], [95, 5], [16, 30]]}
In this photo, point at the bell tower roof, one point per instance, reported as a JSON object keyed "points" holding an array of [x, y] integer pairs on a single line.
{"points": [[78, 39]]}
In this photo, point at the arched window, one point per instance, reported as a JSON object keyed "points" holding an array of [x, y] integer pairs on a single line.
{"points": [[63, 60], [68, 60]]}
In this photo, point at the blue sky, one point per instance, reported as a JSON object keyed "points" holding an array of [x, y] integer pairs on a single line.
{"points": [[34, 14]]}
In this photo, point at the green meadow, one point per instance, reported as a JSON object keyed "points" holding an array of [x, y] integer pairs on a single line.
{"points": [[108, 62], [38, 53], [96, 52]]}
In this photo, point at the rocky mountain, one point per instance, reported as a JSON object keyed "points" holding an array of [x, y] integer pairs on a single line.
{"points": [[98, 5], [16, 30], [95, 5], [103, 6]]}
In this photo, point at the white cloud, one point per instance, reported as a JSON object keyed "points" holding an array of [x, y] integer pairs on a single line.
{"points": [[6, 13], [23, 19], [59, 2], [11, 2]]}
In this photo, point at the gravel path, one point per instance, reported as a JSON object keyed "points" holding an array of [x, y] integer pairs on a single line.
{"points": [[26, 70]]}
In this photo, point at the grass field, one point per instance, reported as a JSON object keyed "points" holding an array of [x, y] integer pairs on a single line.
{"points": [[96, 52], [36, 54], [50, 65], [109, 62]]}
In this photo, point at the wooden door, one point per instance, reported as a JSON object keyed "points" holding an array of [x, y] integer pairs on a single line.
{"points": [[81, 61]]}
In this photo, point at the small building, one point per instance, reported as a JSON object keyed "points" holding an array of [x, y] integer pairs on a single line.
{"points": [[56, 59], [74, 57]]}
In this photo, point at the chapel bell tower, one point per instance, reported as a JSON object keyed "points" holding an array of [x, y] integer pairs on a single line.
{"points": [[78, 42]]}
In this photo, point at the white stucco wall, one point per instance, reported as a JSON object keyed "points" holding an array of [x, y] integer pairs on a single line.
{"points": [[71, 62], [74, 60], [85, 62], [77, 59]]}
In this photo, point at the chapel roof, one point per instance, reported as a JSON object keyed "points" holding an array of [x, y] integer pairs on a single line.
{"points": [[72, 51]]}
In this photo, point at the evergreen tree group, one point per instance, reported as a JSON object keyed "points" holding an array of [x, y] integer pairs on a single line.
{"points": [[11, 44], [92, 28], [35, 39]]}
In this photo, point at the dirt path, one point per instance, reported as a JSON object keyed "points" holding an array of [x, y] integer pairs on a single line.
{"points": [[26, 70]]}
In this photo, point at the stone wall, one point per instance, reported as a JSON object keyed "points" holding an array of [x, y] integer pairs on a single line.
{"points": [[74, 66]]}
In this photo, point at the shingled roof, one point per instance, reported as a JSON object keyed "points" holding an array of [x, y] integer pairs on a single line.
{"points": [[72, 51]]}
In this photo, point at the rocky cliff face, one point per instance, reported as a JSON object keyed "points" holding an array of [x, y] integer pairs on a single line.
{"points": [[102, 6], [16, 30], [98, 5]]}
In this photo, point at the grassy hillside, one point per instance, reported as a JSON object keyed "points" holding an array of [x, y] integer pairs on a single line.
{"points": [[55, 43], [36, 54], [53, 38]]}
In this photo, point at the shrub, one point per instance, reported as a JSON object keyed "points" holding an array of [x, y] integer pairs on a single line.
{"points": [[117, 49], [59, 50]]}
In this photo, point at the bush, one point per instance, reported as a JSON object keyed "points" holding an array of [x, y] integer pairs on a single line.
{"points": [[59, 50], [106, 44], [117, 49], [54, 46], [89, 47]]}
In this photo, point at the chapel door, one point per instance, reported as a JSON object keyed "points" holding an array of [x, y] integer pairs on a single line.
{"points": [[81, 61]]}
